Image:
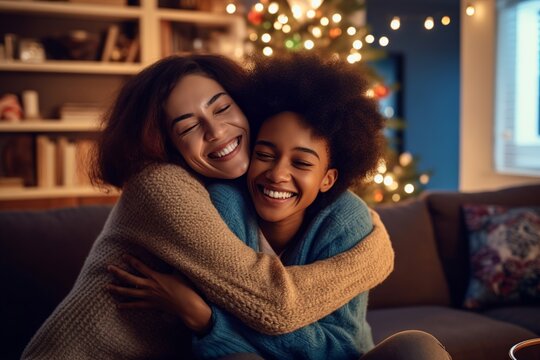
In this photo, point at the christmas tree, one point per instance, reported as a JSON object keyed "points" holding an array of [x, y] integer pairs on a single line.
{"points": [[337, 28]]}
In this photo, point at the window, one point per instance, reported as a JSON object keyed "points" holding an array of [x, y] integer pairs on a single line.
{"points": [[517, 95]]}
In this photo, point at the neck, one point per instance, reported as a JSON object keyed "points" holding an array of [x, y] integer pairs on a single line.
{"points": [[280, 234]]}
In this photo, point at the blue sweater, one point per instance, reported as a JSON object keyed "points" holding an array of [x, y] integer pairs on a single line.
{"points": [[344, 334]]}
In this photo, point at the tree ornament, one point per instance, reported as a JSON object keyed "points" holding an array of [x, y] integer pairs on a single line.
{"points": [[255, 17]]}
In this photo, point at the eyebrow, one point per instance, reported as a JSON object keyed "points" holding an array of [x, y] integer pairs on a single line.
{"points": [[212, 100], [298, 148]]}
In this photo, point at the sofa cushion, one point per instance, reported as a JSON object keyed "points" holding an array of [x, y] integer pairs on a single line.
{"points": [[451, 232], [504, 246], [465, 335], [41, 253], [418, 277], [524, 316]]}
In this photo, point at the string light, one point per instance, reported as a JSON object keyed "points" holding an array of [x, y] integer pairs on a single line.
{"points": [[395, 23], [316, 31], [470, 10], [383, 41], [409, 188], [273, 8], [315, 4], [311, 13], [357, 44], [405, 159], [278, 25], [378, 179], [429, 23], [283, 19], [289, 44], [258, 7], [445, 20], [382, 167], [286, 28], [354, 57], [396, 198], [266, 38], [253, 36], [351, 30], [309, 44], [424, 179], [231, 8], [336, 18], [388, 180], [296, 11], [267, 51], [325, 21], [370, 39]]}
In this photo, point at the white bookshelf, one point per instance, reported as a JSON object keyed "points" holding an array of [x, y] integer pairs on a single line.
{"points": [[49, 126], [53, 192], [75, 67]]}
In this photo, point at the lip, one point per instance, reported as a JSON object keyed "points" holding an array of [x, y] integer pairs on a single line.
{"points": [[223, 146], [260, 188]]}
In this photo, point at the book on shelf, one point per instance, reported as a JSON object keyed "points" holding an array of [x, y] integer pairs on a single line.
{"points": [[11, 182], [45, 161], [110, 42], [67, 162], [80, 112], [101, 2], [83, 152], [133, 50]]}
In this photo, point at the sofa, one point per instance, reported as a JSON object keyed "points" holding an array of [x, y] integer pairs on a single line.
{"points": [[41, 253]]}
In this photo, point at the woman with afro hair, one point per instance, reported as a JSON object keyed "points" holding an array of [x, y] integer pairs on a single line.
{"points": [[316, 133]]}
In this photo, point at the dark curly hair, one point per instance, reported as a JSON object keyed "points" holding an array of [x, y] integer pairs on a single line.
{"points": [[330, 95]]}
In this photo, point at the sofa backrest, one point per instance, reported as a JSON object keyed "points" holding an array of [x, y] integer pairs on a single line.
{"points": [[418, 277], [450, 230], [41, 254]]}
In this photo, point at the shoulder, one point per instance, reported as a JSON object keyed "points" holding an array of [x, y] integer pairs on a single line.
{"points": [[347, 212]]}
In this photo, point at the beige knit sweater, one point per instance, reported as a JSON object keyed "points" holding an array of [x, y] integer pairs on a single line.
{"points": [[165, 213]]}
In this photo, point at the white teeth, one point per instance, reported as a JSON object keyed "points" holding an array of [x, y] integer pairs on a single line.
{"points": [[228, 149], [277, 194]]}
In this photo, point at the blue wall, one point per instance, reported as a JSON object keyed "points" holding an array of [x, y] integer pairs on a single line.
{"points": [[430, 81]]}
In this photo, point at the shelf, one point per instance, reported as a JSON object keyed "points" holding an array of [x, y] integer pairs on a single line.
{"points": [[32, 193], [68, 66], [70, 10], [199, 17], [48, 126]]}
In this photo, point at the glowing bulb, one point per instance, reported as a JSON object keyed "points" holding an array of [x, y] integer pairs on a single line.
{"points": [[470, 10], [354, 57], [370, 39], [309, 44], [296, 11], [315, 4], [409, 188], [382, 167], [316, 31], [370, 93], [383, 41], [230, 9], [286, 28], [394, 186], [396, 197], [445, 20], [258, 7], [278, 25], [351, 30], [273, 8], [283, 19], [336, 18], [405, 159], [325, 21], [289, 44], [311, 14], [389, 111], [388, 180], [267, 51], [429, 23], [266, 38], [424, 179], [357, 44], [253, 36], [395, 23], [378, 179]]}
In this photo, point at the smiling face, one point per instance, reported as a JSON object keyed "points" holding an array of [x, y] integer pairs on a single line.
{"points": [[289, 167], [208, 128]]}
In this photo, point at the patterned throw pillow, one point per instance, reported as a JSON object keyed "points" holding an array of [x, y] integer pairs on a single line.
{"points": [[504, 248]]}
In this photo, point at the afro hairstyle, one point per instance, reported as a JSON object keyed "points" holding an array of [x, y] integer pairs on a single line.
{"points": [[330, 96]]}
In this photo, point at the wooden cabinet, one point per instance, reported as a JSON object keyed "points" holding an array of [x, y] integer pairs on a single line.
{"points": [[149, 29]]}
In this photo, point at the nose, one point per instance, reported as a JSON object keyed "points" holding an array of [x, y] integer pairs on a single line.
{"points": [[214, 130], [278, 172]]}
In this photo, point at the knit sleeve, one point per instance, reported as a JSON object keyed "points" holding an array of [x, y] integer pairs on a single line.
{"points": [[169, 212]]}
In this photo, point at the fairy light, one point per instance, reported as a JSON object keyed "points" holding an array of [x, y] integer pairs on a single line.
{"points": [[357, 44], [266, 38], [396, 197], [378, 179], [253, 36], [383, 41], [336, 18], [381, 169], [267, 51], [394, 186], [231, 8], [315, 4], [445, 20], [309, 44], [286, 28], [424, 179], [388, 180], [258, 7], [283, 19], [296, 11], [470, 10], [351, 30], [354, 57], [429, 23], [311, 14], [325, 21], [289, 44], [273, 8], [278, 25], [395, 23], [370, 39], [316, 31], [370, 93], [405, 159], [409, 188]]}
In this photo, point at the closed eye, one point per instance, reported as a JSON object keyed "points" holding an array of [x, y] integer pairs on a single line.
{"points": [[302, 164], [185, 131], [223, 109], [264, 156]]}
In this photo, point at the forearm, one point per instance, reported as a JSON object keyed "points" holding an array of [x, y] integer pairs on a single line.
{"points": [[180, 226]]}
